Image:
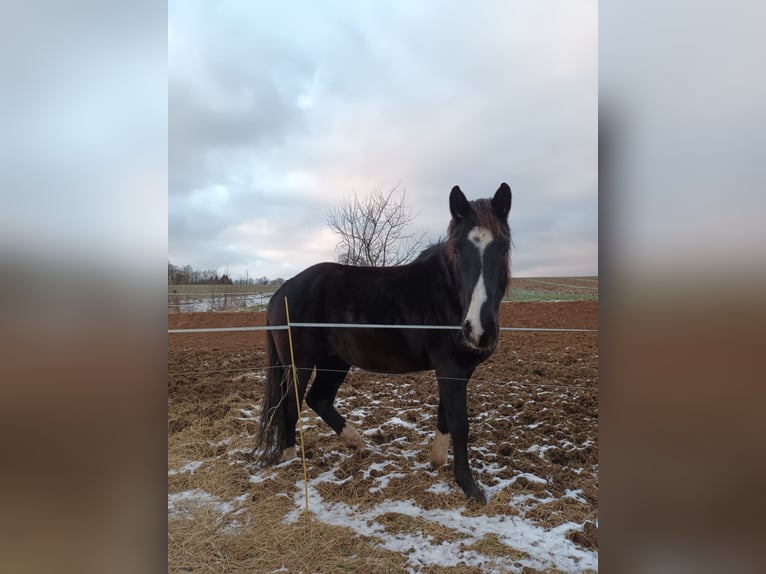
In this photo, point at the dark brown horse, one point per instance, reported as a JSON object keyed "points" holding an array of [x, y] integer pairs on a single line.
{"points": [[457, 283]]}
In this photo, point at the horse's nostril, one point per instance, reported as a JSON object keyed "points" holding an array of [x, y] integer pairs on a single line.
{"points": [[470, 334]]}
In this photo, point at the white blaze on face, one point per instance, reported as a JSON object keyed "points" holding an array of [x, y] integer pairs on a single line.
{"points": [[480, 238]]}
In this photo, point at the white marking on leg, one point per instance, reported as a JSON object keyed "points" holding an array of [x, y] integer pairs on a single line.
{"points": [[351, 437], [480, 237], [439, 450], [288, 454]]}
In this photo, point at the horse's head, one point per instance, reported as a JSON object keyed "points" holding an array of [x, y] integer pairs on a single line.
{"points": [[477, 247]]}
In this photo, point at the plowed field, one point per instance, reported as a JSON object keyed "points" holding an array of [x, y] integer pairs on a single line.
{"points": [[533, 445]]}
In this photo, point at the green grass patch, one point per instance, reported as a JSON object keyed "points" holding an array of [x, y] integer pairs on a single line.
{"points": [[548, 289], [522, 294]]}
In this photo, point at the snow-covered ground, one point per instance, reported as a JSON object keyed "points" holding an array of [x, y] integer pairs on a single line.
{"points": [[547, 548], [528, 544]]}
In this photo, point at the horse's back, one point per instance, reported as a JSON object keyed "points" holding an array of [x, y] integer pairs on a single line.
{"points": [[345, 293], [305, 294], [335, 293]]}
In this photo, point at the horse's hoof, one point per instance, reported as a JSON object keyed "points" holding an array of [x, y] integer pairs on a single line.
{"points": [[288, 454], [351, 437], [478, 496]]}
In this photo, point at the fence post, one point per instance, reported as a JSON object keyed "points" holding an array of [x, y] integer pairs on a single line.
{"points": [[298, 404]]}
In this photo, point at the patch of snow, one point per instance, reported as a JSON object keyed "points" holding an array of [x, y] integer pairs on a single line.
{"points": [[410, 454], [439, 488], [575, 494], [189, 467], [232, 527], [499, 485], [183, 504], [399, 422], [491, 468], [530, 477], [540, 450], [223, 442], [520, 499], [239, 450], [259, 478], [383, 481], [547, 548], [376, 467], [247, 415]]}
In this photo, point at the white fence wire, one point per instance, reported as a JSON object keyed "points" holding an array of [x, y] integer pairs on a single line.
{"points": [[367, 326]]}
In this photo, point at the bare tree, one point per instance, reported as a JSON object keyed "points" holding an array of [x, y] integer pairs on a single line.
{"points": [[374, 230]]}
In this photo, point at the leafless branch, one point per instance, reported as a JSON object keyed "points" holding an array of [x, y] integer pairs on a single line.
{"points": [[374, 230]]}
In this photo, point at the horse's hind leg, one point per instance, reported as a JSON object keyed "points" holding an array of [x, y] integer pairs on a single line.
{"points": [[441, 439], [330, 374], [291, 407]]}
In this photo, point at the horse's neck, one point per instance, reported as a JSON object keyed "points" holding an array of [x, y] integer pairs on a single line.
{"points": [[433, 262], [440, 284]]}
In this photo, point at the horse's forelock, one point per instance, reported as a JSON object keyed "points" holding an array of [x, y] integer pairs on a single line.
{"points": [[485, 217]]}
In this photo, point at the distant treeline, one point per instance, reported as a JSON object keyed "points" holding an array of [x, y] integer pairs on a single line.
{"points": [[187, 275]]}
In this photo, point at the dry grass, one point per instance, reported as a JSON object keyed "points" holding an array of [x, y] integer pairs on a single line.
{"points": [[213, 417], [491, 545], [198, 545], [202, 539]]}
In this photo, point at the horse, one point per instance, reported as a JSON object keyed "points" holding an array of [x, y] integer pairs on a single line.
{"points": [[458, 282]]}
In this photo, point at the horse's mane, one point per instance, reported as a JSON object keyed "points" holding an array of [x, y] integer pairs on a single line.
{"points": [[437, 249]]}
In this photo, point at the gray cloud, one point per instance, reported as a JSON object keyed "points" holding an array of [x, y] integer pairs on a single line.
{"points": [[278, 113]]}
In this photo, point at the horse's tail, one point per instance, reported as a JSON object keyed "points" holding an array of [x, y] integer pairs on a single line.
{"points": [[271, 432]]}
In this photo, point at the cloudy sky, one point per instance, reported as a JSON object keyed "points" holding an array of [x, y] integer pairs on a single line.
{"points": [[278, 111]]}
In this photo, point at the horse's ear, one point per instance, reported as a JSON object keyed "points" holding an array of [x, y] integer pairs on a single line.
{"points": [[458, 204], [501, 203]]}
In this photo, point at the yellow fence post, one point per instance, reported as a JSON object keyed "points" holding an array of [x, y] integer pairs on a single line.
{"points": [[298, 404]]}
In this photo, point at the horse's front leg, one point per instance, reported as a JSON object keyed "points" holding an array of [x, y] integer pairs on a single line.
{"points": [[453, 396]]}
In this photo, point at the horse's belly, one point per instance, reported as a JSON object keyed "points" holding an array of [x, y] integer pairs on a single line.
{"points": [[385, 353]]}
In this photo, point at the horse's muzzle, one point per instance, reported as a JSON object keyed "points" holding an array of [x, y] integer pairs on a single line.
{"points": [[479, 339]]}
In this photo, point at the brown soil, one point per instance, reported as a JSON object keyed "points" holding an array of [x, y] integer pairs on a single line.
{"points": [[533, 408]]}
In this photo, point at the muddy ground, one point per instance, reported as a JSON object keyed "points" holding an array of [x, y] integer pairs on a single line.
{"points": [[533, 443]]}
